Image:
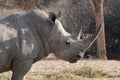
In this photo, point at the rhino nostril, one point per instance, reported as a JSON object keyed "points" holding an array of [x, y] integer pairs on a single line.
{"points": [[78, 56]]}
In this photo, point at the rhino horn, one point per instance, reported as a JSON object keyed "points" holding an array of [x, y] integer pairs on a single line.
{"points": [[77, 35], [86, 43]]}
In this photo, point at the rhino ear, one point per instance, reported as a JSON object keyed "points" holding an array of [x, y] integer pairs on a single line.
{"points": [[52, 16]]}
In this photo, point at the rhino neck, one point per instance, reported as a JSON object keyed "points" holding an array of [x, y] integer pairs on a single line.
{"points": [[41, 29], [44, 31]]}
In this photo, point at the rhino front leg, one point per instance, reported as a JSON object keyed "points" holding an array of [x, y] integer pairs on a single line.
{"points": [[20, 69]]}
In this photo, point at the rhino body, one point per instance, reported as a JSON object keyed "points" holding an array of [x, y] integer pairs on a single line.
{"points": [[29, 36], [19, 43]]}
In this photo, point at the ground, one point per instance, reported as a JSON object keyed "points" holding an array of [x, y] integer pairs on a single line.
{"points": [[55, 69]]}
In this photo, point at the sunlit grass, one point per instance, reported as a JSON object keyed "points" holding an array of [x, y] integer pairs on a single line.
{"points": [[86, 72], [5, 76]]}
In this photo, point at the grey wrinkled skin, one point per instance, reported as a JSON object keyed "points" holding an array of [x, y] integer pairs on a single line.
{"points": [[29, 36]]}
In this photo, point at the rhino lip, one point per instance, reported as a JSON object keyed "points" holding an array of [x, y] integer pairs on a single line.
{"points": [[75, 59]]}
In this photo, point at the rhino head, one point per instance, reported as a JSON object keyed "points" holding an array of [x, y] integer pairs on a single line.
{"points": [[66, 46]]}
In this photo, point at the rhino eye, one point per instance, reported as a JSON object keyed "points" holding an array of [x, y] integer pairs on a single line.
{"points": [[68, 42]]}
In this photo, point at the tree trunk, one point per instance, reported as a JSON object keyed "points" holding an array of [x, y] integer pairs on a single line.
{"points": [[97, 8]]}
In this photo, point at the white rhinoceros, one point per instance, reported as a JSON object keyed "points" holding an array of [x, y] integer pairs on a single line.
{"points": [[29, 36]]}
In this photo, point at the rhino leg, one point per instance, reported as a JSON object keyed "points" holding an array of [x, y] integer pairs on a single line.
{"points": [[20, 69]]}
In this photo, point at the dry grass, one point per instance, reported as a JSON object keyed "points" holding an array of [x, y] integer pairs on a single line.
{"points": [[86, 72], [54, 69], [5, 76]]}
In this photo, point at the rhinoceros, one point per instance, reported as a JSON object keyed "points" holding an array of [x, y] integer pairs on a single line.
{"points": [[27, 37]]}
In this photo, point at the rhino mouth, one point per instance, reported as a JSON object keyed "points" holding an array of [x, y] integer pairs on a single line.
{"points": [[75, 59]]}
